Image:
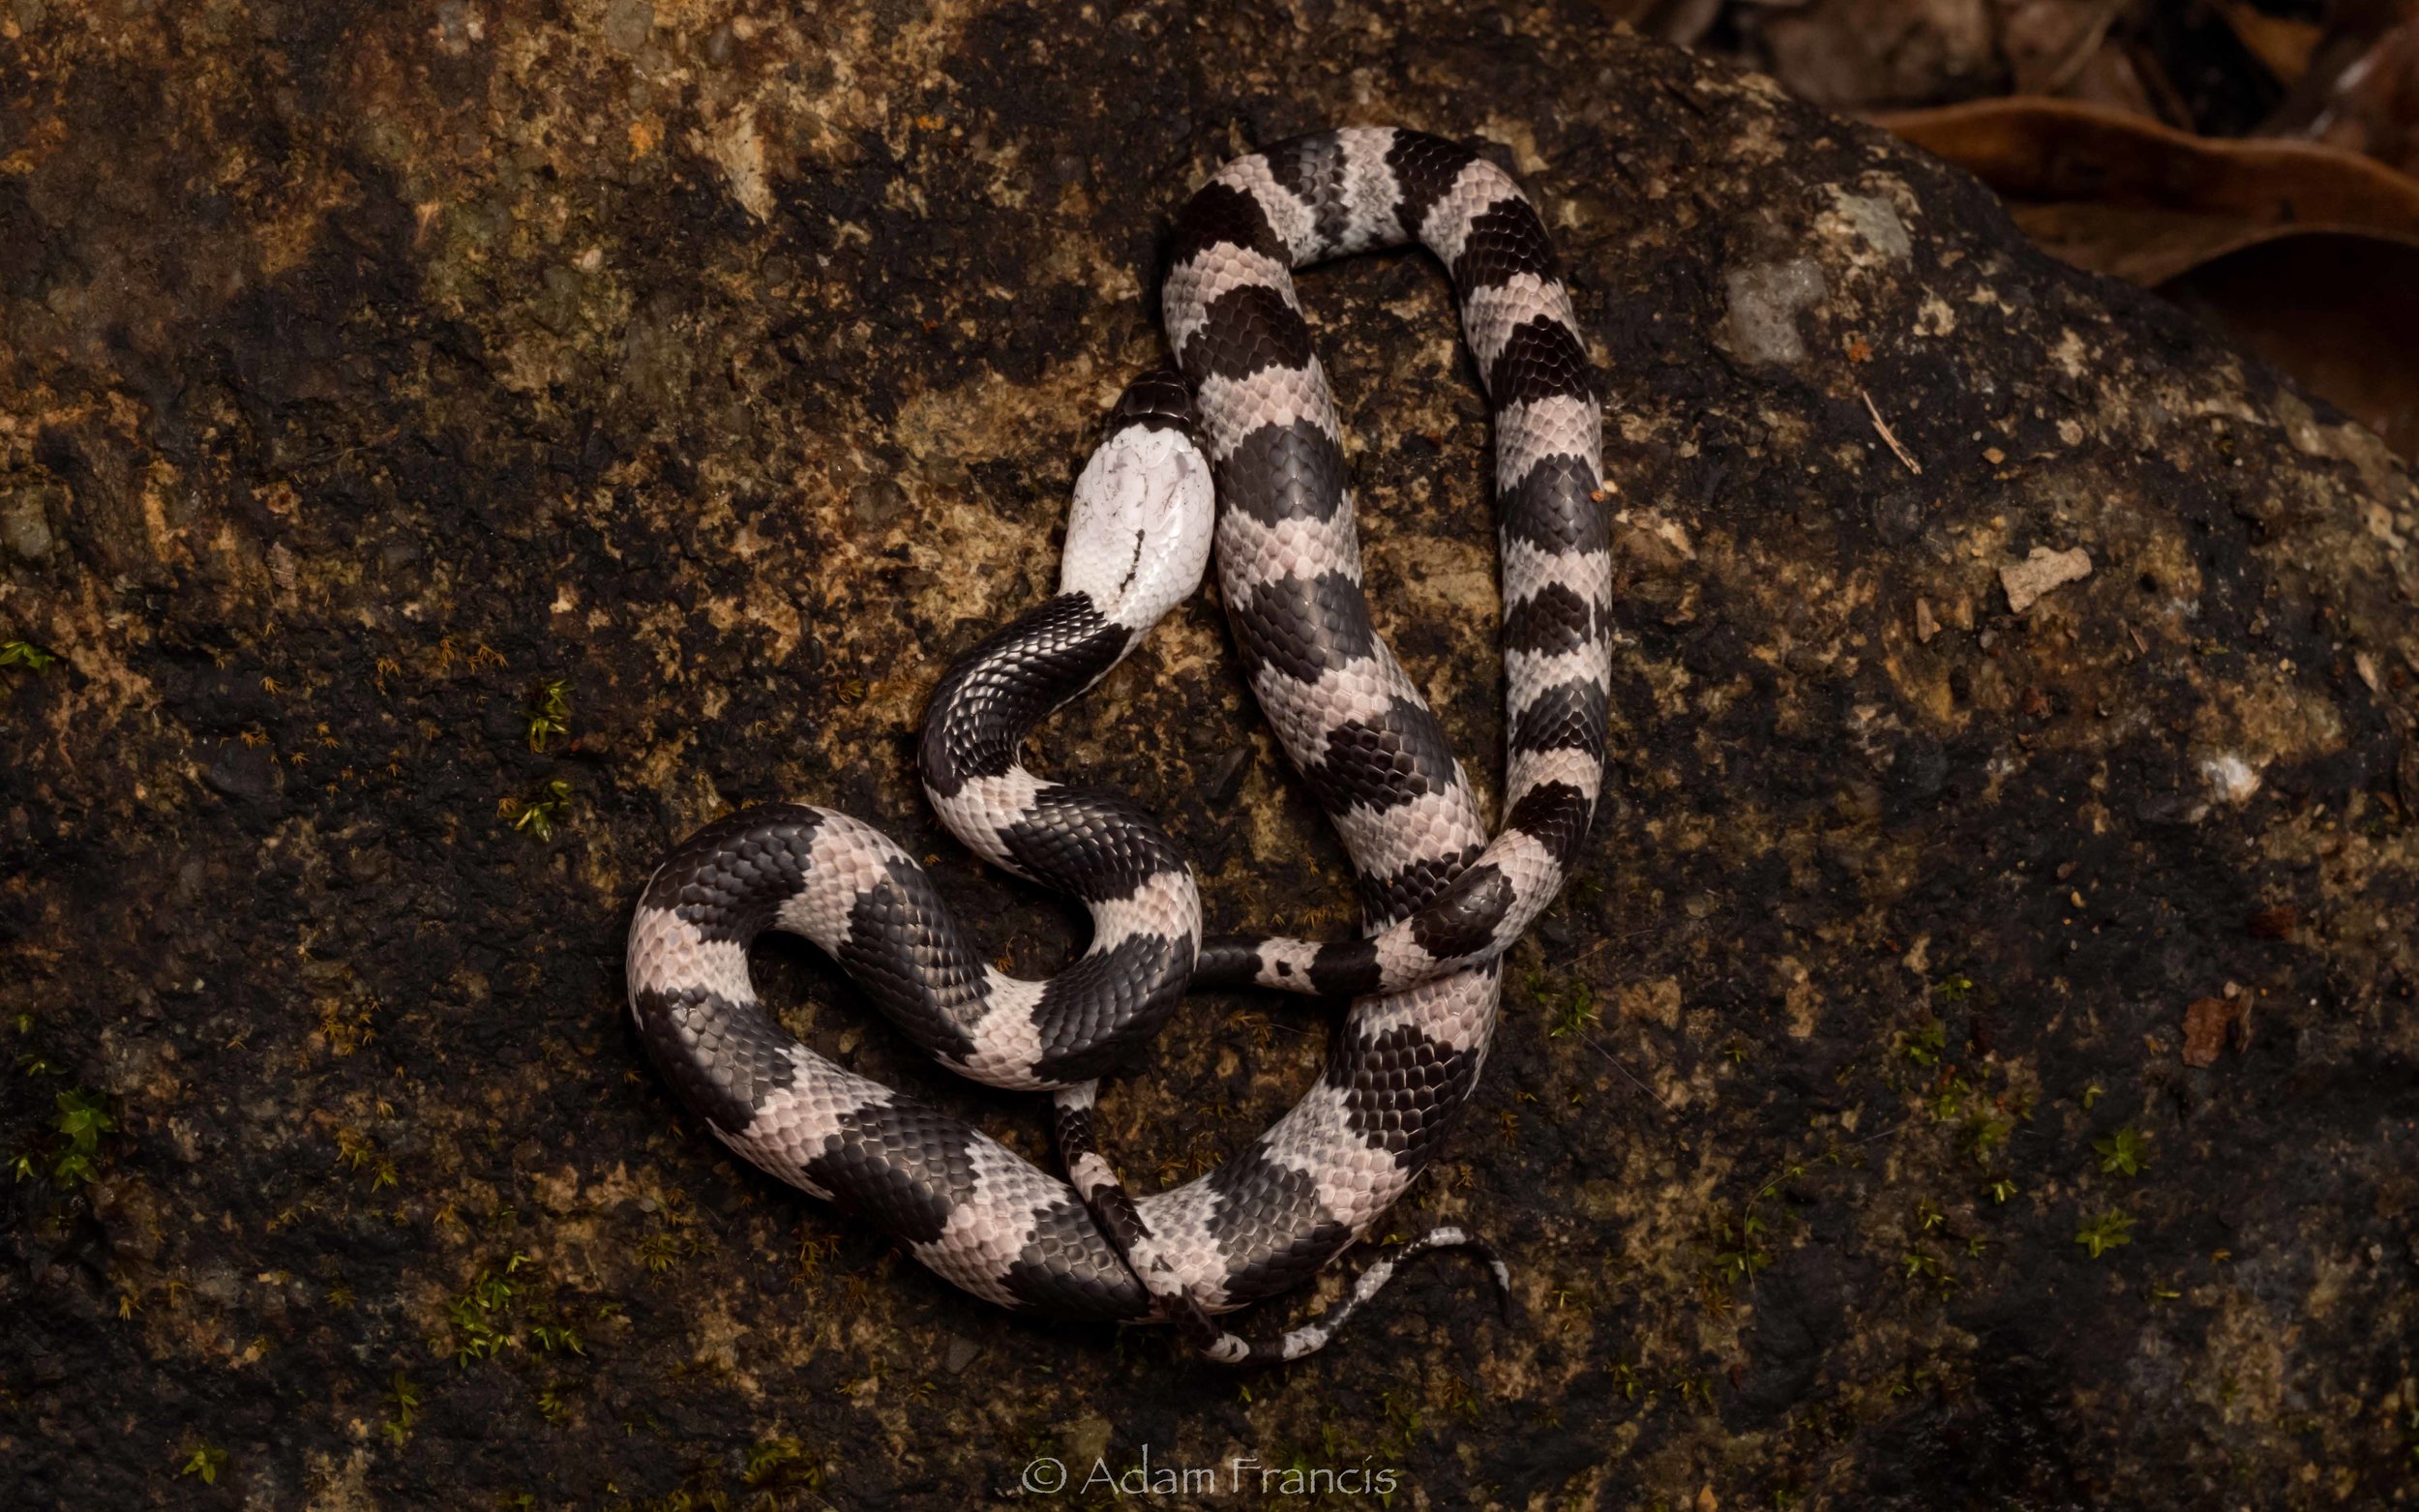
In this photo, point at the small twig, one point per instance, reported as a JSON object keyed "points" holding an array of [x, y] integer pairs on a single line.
{"points": [[1584, 954], [1626, 1071], [338, 454], [1682, 93], [1883, 1135], [2093, 35], [1882, 425], [1590, 951]]}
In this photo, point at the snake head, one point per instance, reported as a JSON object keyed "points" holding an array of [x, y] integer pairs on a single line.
{"points": [[1138, 533]]}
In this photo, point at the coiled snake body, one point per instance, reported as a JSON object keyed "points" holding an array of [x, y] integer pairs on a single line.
{"points": [[1441, 901]]}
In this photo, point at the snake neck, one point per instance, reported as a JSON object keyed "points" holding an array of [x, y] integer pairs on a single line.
{"points": [[995, 692]]}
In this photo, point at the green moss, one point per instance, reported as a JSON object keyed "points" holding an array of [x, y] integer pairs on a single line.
{"points": [[2105, 1232], [546, 714], [540, 812], [27, 655], [1925, 1044], [1568, 1002], [2126, 1152], [403, 1409], [206, 1463], [73, 1152], [779, 1463], [480, 1315]]}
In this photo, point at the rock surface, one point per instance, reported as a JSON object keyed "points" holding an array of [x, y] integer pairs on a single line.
{"points": [[368, 369]]}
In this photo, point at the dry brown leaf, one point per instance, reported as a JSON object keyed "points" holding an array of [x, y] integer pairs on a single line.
{"points": [[2150, 247], [2274, 923], [2206, 1023], [2306, 255], [2282, 47], [2108, 76], [2340, 313], [2047, 151], [1851, 55], [2048, 42], [1682, 22], [2373, 106]]}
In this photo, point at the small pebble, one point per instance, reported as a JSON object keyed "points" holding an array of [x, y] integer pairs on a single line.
{"points": [[1762, 326], [877, 503], [2041, 570], [1898, 516], [628, 24], [25, 523]]}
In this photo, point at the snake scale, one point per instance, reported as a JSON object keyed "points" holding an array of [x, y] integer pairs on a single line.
{"points": [[1251, 420]]}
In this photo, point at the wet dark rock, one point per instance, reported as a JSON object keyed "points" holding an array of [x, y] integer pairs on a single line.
{"points": [[1921, 768], [243, 771], [1898, 516], [1226, 775]]}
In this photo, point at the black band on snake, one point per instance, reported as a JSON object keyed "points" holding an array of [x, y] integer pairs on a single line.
{"points": [[1442, 901]]}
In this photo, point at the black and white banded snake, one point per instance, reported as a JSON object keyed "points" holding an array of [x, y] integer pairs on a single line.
{"points": [[1442, 901]]}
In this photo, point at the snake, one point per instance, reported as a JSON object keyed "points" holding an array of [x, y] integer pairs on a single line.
{"points": [[1240, 454]]}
